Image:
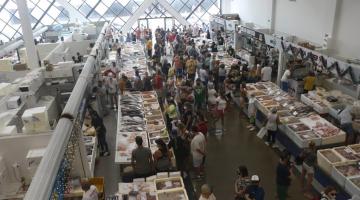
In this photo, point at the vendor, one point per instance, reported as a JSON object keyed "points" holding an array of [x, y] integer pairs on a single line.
{"points": [[285, 79], [214, 47], [90, 191], [231, 51], [309, 82], [346, 119], [141, 160], [220, 40]]}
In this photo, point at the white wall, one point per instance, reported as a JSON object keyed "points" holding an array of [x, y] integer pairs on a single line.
{"points": [[308, 19], [347, 29], [256, 11]]}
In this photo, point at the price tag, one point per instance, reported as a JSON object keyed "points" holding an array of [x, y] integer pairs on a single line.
{"points": [[295, 113], [285, 104], [292, 107], [278, 93]]}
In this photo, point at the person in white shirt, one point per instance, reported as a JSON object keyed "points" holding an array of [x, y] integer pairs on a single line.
{"points": [[266, 73], [206, 193], [198, 147], [221, 106], [203, 74], [90, 191], [285, 80], [346, 120]]}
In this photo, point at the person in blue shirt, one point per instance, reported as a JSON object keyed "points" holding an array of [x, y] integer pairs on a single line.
{"points": [[254, 191]]}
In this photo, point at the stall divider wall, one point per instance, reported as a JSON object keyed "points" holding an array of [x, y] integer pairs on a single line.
{"points": [[13, 153]]}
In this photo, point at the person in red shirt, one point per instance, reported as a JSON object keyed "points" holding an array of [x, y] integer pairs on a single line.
{"points": [[201, 124], [158, 86], [178, 66]]}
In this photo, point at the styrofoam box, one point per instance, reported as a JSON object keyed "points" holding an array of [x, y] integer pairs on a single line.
{"points": [[34, 157], [306, 100], [13, 102], [5, 88], [341, 137], [350, 187], [5, 118], [339, 177], [305, 143], [36, 119], [325, 164], [8, 130]]}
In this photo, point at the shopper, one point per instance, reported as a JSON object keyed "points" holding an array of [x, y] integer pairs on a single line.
{"points": [[141, 159], [266, 73], [191, 65], [138, 83], [162, 157], [252, 112], [181, 147], [170, 113], [149, 47], [241, 183], [283, 179], [112, 91], [329, 193], [220, 108], [285, 80], [90, 191], [147, 82], [97, 123], [346, 119], [272, 126], [222, 76], [159, 86], [309, 82], [309, 159], [198, 151], [254, 191], [122, 84], [231, 51], [199, 95], [206, 193], [203, 74], [201, 124]]}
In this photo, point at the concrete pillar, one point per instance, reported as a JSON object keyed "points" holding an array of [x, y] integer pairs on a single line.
{"points": [[31, 52], [281, 66]]}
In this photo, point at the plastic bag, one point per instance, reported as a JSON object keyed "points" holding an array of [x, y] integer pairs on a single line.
{"points": [[261, 133]]}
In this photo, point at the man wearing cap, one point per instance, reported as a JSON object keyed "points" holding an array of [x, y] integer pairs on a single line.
{"points": [[254, 191]]}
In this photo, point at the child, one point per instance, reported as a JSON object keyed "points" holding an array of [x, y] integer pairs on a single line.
{"points": [[252, 112]]}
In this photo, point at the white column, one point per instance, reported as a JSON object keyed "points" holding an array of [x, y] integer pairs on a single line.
{"points": [[280, 66], [31, 52]]}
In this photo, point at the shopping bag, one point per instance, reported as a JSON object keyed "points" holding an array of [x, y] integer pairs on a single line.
{"points": [[261, 133]]}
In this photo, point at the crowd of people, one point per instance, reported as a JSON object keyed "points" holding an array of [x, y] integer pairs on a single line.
{"points": [[195, 90]]}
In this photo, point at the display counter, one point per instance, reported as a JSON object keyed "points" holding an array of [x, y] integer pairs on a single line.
{"points": [[139, 114], [161, 187], [298, 121], [342, 164]]}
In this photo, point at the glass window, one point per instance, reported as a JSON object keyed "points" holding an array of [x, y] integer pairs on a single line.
{"points": [[116, 7], [124, 2], [8, 31], [43, 4], [53, 12], [94, 16], [109, 15], [108, 2], [37, 12], [101, 9], [92, 3], [131, 6], [5, 15], [47, 20], [63, 17], [85, 9]]}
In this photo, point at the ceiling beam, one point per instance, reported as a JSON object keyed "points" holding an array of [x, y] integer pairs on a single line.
{"points": [[174, 13], [74, 14], [136, 15]]}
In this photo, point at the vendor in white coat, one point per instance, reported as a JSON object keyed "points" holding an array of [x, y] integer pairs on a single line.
{"points": [[285, 79]]}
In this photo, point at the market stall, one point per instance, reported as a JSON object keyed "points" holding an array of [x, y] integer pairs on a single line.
{"points": [[342, 165], [160, 187], [139, 114]]}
